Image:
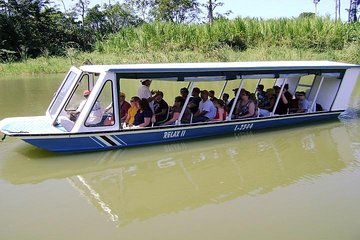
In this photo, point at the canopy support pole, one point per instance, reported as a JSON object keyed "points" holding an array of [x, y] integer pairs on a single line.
{"points": [[316, 95]]}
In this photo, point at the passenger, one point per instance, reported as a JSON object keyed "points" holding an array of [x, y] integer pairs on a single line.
{"points": [[176, 111], [143, 115], [134, 102], [212, 95], [95, 116], [195, 100], [235, 90], [253, 98], [304, 104], [124, 107], [225, 98], [144, 92], [184, 92], [260, 94], [268, 103], [207, 110], [221, 111], [93, 119], [285, 99], [294, 103], [245, 108], [160, 107]]}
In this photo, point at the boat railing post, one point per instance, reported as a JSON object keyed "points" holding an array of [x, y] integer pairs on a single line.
{"points": [[223, 89], [235, 100], [278, 97], [313, 104], [191, 87]]}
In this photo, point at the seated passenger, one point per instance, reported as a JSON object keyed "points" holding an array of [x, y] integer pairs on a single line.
{"points": [[304, 104], [221, 111], [143, 115], [267, 105], [160, 107], [294, 103], [212, 95], [194, 101], [260, 94], [184, 92], [285, 99], [176, 111], [231, 103], [225, 98], [207, 110], [245, 108], [124, 107], [134, 102], [93, 119]]}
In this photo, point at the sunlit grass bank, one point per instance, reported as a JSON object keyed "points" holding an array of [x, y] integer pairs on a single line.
{"points": [[61, 64]]}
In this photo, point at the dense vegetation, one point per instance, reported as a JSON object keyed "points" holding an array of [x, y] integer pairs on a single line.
{"points": [[116, 34]]}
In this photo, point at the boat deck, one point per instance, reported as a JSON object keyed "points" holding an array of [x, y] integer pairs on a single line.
{"points": [[30, 125]]}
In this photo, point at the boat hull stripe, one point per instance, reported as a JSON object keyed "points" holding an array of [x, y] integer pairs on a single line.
{"points": [[114, 140], [120, 140], [108, 140], [95, 140]]}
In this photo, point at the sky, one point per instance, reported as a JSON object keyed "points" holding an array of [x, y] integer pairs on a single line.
{"points": [[265, 8]]}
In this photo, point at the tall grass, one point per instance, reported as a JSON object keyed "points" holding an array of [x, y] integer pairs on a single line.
{"points": [[319, 34]]}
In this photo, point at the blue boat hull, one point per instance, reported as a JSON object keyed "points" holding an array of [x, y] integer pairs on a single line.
{"points": [[113, 140]]}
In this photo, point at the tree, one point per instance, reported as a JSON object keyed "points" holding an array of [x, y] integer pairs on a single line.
{"points": [[177, 11], [142, 8], [210, 6], [353, 10], [81, 8]]}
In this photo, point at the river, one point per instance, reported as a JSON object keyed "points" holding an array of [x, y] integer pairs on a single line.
{"points": [[292, 183]]}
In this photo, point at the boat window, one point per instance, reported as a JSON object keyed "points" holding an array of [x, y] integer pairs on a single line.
{"points": [[105, 100], [305, 84], [77, 96], [62, 92]]}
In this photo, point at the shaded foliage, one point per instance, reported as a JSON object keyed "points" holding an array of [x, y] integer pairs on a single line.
{"points": [[33, 28]]}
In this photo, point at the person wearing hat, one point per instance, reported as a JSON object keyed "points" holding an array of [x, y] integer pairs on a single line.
{"points": [[207, 110], [75, 114], [94, 117], [144, 92], [124, 107]]}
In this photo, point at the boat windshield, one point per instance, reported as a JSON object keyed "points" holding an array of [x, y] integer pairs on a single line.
{"points": [[62, 93]]}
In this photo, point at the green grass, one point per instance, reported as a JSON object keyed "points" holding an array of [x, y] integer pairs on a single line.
{"points": [[224, 41]]}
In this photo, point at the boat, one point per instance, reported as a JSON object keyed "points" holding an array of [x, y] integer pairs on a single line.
{"points": [[326, 84]]}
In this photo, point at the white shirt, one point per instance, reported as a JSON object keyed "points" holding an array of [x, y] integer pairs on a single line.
{"points": [[209, 107], [144, 92], [95, 115]]}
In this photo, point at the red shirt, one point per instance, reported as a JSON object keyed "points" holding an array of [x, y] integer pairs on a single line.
{"points": [[124, 109]]}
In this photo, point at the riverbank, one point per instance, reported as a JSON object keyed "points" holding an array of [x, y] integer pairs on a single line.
{"points": [[49, 65], [241, 39]]}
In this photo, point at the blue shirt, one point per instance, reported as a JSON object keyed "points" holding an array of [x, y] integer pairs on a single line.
{"points": [[140, 117]]}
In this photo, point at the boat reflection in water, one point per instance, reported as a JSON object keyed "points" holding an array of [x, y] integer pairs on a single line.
{"points": [[141, 183]]}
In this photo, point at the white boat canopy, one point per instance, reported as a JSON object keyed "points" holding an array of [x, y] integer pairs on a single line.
{"points": [[223, 71]]}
